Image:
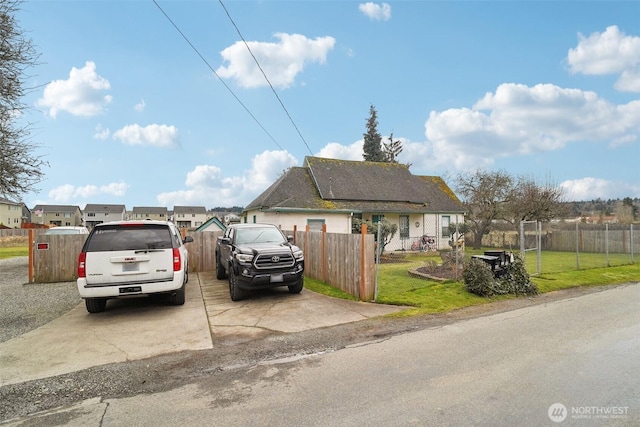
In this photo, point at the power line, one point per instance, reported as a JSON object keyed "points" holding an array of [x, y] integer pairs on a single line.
{"points": [[216, 74], [265, 77]]}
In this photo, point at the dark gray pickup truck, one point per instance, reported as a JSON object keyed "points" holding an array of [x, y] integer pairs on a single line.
{"points": [[258, 256]]}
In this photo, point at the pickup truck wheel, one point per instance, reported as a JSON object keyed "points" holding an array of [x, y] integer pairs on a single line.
{"points": [[297, 288], [236, 293], [221, 274], [95, 305], [178, 297]]}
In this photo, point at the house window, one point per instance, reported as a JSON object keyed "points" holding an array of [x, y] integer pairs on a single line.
{"points": [[92, 214], [445, 221], [315, 224], [254, 219], [377, 218], [404, 226]]}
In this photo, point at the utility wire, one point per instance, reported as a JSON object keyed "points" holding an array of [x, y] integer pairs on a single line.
{"points": [[265, 77], [216, 74]]}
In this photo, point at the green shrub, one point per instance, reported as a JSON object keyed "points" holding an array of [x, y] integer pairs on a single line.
{"points": [[516, 279], [478, 278]]}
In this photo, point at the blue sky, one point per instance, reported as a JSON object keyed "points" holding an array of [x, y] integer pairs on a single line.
{"points": [[127, 111]]}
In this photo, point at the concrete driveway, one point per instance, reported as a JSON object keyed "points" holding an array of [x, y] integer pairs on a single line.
{"points": [[139, 328]]}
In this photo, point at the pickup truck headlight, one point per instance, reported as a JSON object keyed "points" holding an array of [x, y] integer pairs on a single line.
{"points": [[298, 255], [244, 257]]}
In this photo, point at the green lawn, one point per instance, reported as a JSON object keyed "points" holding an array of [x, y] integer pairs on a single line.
{"points": [[395, 286], [13, 252]]}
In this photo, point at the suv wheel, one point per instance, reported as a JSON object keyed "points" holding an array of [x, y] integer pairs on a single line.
{"points": [[236, 293], [95, 305], [178, 297], [221, 274]]}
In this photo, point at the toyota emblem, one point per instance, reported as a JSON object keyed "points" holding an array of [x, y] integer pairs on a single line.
{"points": [[275, 258]]}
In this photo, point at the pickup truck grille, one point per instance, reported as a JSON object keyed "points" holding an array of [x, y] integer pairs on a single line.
{"points": [[266, 261]]}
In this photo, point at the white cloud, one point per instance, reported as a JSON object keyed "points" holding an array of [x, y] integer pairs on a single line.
{"points": [[611, 52], [80, 95], [333, 150], [139, 107], [156, 135], [102, 133], [593, 188], [67, 192], [519, 119], [207, 186], [281, 61], [378, 12]]}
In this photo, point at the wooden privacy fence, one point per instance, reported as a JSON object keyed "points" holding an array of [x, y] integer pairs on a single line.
{"points": [[54, 258], [344, 261]]}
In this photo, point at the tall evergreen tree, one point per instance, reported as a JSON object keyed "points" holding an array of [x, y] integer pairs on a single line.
{"points": [[372, 140]]}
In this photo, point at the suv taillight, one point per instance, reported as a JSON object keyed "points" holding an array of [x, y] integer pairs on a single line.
{"points": [[177, 264], [82, 259]]}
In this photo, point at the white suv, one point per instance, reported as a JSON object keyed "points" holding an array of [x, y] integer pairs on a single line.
{"points": [[128, 258]]}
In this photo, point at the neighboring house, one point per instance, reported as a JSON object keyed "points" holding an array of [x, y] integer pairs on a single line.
{"points": [[97, 214], [333, 193], [212, 224], [10, 213], [57, 215], [146, 212], [189, 216], [231, 218]]}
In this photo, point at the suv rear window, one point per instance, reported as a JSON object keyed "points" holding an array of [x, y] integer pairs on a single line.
{"points": [[130, 237]]}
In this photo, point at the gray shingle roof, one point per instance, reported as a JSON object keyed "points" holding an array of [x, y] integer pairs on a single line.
{"points": [[56, 208], [190, 209], [329, 184], [104, 208], [150, 209]]}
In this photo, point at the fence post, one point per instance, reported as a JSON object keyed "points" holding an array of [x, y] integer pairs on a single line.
{"points": [[324, 253], [606, 243], [577, 247], [363, 234], [631, 242], [31, 242]]}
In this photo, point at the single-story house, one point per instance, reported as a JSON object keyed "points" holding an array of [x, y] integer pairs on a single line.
{"points": [[332, 193], [97, 214]]}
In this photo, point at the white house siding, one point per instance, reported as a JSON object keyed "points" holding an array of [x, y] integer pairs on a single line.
{"points": [[419, 225], [427, 224], [336, 223], [93, 218]]}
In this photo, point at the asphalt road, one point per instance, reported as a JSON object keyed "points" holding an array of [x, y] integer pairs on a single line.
{"points": [[554, 361]]}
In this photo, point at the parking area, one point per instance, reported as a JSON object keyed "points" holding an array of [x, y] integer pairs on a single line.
{"points": [[139, 328]]}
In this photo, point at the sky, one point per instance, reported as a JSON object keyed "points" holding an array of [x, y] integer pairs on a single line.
{"points": [[207, 103]]}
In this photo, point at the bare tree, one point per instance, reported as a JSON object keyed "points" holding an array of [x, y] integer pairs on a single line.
{"points": [[531, 201], [486, 195], [392, 149], [20, 167]]}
